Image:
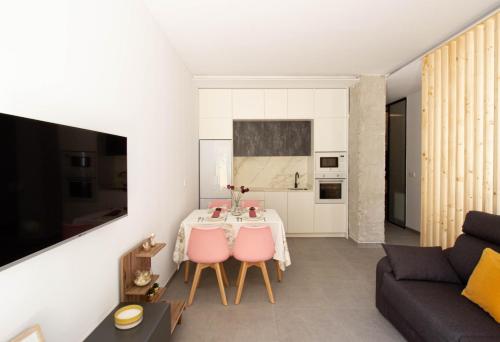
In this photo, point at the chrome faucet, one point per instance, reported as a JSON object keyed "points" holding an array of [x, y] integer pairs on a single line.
{"points": [[296, 185]]}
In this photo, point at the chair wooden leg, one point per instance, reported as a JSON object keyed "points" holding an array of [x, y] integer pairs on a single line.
{"points": [[263, 268], [279, 272], [186, 271], [221, 283], [241, 281], [196, 280], [224, 274], [239, 275]]}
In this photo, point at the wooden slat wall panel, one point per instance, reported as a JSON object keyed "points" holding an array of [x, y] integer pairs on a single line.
{"points": [[438, 89], [460, 132], [489, 112], [445, 86], [452, 145], [425, 152], [496, 153], [460, 155]]}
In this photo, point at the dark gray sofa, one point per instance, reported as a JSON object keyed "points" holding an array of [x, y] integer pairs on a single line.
{"points": [[435, 311]]}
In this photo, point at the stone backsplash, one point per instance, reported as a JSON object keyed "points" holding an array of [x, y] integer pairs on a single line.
{"points": [[272, 172]]}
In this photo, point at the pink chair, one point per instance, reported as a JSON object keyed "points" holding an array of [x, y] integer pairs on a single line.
{"points": [[220, 203], [253, 246], [251, 203], [208, 248]]}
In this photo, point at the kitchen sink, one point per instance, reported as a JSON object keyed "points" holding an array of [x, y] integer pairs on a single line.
{"points": [[298, 189]]}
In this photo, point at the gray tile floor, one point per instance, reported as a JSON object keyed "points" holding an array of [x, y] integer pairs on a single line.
{"points": [[399, 236], [327, 294]]}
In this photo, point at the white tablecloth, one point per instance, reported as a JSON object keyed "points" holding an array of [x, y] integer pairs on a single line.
{"points": [[231, 227]]}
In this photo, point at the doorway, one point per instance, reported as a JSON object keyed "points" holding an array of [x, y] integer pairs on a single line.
{"points": [[396, 163]]}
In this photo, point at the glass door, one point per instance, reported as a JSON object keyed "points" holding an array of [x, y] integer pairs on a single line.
{"points": [[396, 163]]}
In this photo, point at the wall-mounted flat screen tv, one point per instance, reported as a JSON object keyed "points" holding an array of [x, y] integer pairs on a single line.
{"points": [[56, 182]]}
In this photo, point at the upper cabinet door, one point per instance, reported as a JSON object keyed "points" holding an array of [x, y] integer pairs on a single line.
{"points": [[301, 103], [215, 103], [330, 134], [248, 104], [330, 103], [276, 103]]}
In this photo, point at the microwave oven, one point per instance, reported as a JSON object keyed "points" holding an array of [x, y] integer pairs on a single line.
{"points": [[330, 164]]}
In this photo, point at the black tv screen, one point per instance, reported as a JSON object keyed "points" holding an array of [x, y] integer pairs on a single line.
{"points": [[56, 182]]}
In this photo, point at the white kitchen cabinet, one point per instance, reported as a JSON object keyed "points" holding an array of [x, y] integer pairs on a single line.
{"points": [[248, 104], [330, 134], [301, 103], [255, 196], [279, 202], [300, 212], [215, 103], [275, 103], [330, 218], [216, 128], [330, 103]]}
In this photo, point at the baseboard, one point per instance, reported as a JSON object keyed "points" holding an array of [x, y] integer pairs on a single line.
{"points": [[316, 235], [366, 244], [413, 230]]}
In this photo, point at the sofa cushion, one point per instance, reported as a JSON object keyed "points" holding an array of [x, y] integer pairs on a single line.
{"points": [[483, 287], [420, 263], [483, 226], [437, 311], [465, 255]]}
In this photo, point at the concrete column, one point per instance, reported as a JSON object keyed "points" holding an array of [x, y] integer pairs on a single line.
{"points": [[367, 123]]}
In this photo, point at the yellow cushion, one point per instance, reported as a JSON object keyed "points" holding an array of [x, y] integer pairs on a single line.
{"points": [[483, 287]]}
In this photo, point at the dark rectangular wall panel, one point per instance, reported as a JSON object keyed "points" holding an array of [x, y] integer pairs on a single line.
{"points": [[271, 138]]}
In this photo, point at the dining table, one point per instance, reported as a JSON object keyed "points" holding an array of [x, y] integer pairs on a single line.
{"points": [[231, 225]]}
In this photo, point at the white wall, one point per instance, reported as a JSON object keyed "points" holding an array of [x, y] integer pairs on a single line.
{"points": [[413, 148], [102, 65]]}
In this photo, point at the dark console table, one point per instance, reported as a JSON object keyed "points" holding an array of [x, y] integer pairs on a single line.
{"points": [[155, 326]]}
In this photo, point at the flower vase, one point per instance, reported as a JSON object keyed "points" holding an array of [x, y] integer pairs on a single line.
{"points": [[235, 208]]}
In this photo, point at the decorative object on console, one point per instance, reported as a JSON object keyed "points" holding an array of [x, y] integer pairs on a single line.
{"points": [[142, 278], [152, 240], [146, 245], [128, 317], [156, 325], [33, 334], [150, 295], [236, 196]]}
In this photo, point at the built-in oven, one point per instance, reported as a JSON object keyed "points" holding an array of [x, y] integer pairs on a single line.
{"points": [[331, 190], [330, 163]]}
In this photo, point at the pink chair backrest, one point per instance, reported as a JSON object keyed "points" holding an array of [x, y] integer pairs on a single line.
{"points": [[220, 204], [207, 245], [254, 244], [251, 203]]}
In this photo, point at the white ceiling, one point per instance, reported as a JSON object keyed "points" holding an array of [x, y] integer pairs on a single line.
{"points": [[404, 82], [309, 37]]}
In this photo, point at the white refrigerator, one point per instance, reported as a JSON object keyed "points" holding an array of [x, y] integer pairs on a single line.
{"points": [[216, 170]]}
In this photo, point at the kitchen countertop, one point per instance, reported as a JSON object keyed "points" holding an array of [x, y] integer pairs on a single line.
{"points": [[256, 189]]}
